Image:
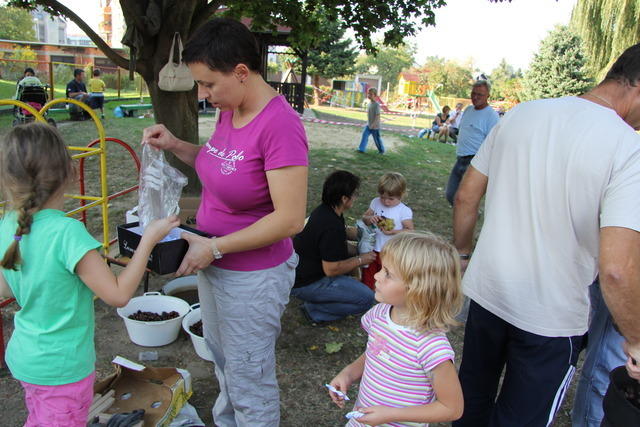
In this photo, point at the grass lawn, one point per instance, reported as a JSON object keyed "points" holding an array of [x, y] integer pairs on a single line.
{"points": [[304, 365]]}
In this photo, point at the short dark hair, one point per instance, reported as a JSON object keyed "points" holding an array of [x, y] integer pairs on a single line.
{"points": [[96, 72], [77, 72], [626, 69], [29, 70], [339, 183], [222, 44]]}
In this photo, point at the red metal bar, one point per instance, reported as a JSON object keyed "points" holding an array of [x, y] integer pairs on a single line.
{"points": [[83, 214]]}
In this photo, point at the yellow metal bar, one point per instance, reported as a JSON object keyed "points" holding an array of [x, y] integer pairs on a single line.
{"points": [[93, 153], [85, 152], [87, 149], [79, 197], [84, 208], [103, 166]]}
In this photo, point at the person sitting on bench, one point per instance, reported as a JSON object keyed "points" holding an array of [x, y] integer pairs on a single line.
{"points": [[76, 89]]}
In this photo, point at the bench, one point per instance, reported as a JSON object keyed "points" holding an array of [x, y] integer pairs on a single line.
{"points": [[129, 109]]}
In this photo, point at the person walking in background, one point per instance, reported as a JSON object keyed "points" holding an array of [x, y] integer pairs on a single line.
{"points": [[560, 180], [476, 123], [322, 276], [96, 92], [407, 376], [389, 215], [373, 124]]}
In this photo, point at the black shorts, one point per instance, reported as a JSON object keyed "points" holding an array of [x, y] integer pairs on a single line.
{"points": [[95, 101]]}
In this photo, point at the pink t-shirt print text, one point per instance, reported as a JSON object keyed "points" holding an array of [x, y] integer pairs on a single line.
{"points": [[232, 168]]}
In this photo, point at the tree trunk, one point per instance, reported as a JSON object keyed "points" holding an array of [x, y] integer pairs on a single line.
{"points": [[316, 91], [178, 111]]}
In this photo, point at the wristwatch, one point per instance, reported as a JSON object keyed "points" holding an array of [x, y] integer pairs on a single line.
{"points": [[216, 252]]}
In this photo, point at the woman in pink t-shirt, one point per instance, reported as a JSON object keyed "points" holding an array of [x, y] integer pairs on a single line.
{"points": [[253, 171]]}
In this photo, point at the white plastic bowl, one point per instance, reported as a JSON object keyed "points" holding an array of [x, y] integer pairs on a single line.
{"points": [[153, 334], [199, 344], [185, 288]]}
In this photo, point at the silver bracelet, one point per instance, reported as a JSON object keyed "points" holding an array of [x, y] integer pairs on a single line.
{"points": [[359, 260]]}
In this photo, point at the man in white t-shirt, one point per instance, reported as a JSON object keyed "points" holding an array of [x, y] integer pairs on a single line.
{"points": [[454, 121], [562, 184]]}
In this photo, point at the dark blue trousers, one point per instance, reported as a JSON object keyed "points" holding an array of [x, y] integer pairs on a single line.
{"points": [[538, 371]]}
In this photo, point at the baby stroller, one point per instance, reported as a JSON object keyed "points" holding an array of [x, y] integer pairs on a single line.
{"points": [[31, 91]]}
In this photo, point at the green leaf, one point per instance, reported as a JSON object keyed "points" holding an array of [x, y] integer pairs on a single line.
{"points": [[333, 347]]}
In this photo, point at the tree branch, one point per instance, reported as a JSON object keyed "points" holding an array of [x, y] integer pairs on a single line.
{"points": [[118, 59], [202, 15]]}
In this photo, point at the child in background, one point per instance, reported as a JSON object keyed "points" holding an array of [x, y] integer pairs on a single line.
{"points": [[407, 372], [373, 124], [96, 92], [51, 265], [391, 188]]}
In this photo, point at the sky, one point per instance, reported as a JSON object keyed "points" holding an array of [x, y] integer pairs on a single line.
{"points": [[488, 32], [477, 29]]}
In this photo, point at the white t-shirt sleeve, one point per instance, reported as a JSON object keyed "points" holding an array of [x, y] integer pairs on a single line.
{"points": [[621, 201], [406, 213]]}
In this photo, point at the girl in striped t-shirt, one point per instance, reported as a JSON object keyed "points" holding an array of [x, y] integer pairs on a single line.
{"points": [[407, 372]]}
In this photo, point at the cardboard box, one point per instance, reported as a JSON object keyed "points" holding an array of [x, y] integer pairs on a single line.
{"points": [[165, 257], [188, 210], [161, 392]]}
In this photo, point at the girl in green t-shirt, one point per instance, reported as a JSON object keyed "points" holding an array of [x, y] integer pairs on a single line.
{"points": [[51, 265]]}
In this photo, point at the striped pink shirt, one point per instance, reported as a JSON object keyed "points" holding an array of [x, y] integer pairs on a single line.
{"points": [[398, 364]]}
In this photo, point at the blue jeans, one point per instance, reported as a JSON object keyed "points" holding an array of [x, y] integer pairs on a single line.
{"points": [[376, 138], [459, 168], [604, 353], [332, 298]]}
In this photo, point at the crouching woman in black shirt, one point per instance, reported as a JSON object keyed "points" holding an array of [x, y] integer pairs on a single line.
{"points": [[321, 276]]}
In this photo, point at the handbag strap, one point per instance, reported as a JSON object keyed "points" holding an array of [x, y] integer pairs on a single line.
{"points": [[173, 42]]}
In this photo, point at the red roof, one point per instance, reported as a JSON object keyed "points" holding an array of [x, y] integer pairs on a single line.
{"points": [[410, 77]]}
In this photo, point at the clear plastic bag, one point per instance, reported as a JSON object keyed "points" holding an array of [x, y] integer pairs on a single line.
{"points": [[366, 238], [160, 187]]}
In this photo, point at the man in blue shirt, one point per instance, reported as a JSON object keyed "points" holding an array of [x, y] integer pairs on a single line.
{"points": [[477, 121]]}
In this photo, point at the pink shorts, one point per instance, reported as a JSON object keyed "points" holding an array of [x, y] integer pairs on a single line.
{"points": [[64, 405]]}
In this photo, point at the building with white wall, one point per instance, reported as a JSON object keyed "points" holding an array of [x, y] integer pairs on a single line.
{"points": [[49, 29]]}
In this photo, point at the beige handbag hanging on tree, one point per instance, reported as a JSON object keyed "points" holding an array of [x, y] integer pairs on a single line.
{"points": [[175, 77]]}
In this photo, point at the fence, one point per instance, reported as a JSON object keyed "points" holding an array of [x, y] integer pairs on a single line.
{"points": [[347, 98], [57, 74]]}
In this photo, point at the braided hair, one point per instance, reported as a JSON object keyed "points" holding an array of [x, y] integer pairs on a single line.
{"points": [[34, 166]]}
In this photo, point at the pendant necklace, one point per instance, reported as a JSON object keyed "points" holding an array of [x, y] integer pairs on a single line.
{"points": [[602, 99]]}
